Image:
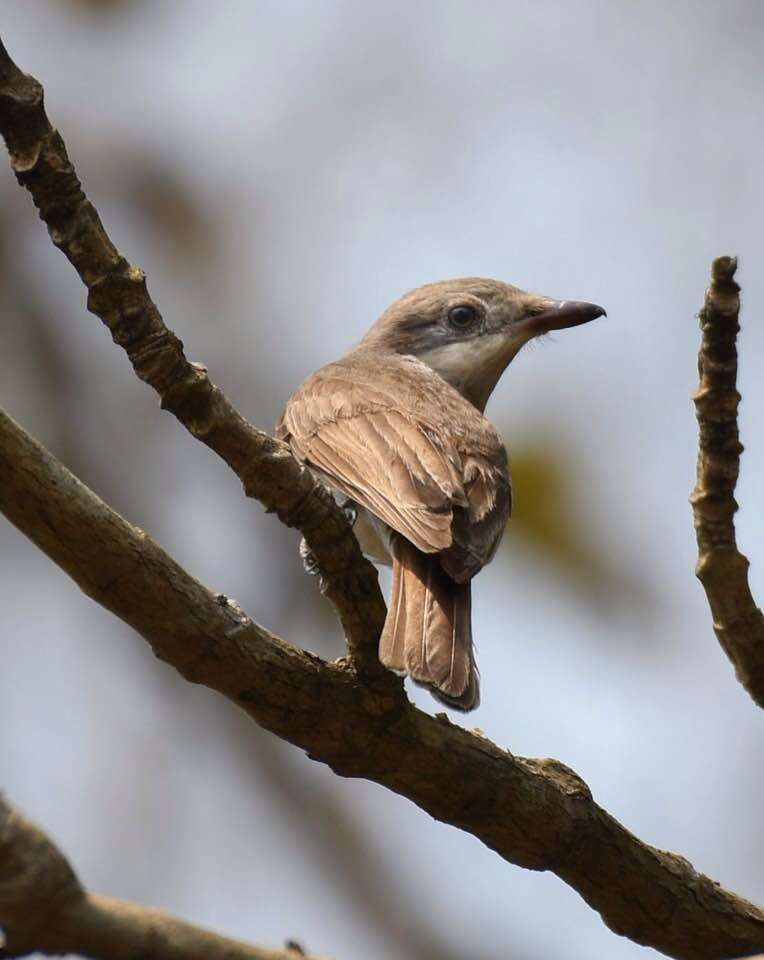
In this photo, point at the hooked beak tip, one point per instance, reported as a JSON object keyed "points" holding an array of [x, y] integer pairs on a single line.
{"points": [[560, 314]]}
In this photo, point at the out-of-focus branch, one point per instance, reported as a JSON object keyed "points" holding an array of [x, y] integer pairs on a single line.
{"points": [[535, 813], [722, 568], [348, 855], [44, 908], [117, 294]]}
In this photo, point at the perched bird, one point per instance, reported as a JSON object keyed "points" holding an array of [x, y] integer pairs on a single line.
{"points": [[396, 429]]}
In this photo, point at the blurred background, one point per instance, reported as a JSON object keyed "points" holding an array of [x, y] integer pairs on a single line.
{"points": [[283, 171]]}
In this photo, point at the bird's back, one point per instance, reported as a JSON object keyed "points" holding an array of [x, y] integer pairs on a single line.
{"points": [[394, 436]]}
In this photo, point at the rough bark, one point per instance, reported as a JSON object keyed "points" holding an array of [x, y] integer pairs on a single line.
{"points": [[535, 813], [43, 907], [722, 568], [118, 295]]}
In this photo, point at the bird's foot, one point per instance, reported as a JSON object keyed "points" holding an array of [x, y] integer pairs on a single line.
{"points": [[309, 561]]}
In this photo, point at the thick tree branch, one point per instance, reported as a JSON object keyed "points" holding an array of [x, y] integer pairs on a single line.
{"points": [[721, 568], [44, 908], [117, 294], [535, 813]]}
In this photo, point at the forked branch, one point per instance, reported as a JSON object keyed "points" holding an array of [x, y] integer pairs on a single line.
{"points": [[118, 295], [535, 813]]}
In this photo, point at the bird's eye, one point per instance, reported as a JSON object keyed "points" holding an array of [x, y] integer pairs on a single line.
{"points": [[463, 316]]}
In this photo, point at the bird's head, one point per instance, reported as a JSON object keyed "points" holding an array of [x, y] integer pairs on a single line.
{"points": [[469, 330]]}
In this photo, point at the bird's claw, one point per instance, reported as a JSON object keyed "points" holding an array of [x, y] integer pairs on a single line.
{"points": [[309, 561], [308, 558]]}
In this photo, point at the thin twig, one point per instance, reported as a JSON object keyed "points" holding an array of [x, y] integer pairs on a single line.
{"points": [[43, 907], [536, 813], [722, 568], [117, 294]]}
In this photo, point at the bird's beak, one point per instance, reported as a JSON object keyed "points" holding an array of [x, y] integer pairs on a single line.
{"points": [[546, 315]]}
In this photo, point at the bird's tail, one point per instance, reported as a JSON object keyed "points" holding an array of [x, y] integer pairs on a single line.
{"points": [[428, 631]]}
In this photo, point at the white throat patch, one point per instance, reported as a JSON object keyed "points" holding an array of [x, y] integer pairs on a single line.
{"points": [[473, 367]]}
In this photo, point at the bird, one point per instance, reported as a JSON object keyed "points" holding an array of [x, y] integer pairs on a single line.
{"points": [[396, 429]]}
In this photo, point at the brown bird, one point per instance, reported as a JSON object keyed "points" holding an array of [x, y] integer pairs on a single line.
{"points": [[396, 429]]}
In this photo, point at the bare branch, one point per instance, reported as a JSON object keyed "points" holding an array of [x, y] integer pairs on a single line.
{"points": [[43, 907], [535, 813], [721, 568], [117, 294]]}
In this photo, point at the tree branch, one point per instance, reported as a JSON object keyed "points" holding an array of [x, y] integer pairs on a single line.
{"points": [[43, 907], [721, 568], [117, 294], [535, 813]]}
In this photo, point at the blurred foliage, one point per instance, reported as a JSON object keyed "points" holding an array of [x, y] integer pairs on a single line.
{"points": [[104, 6], [545, 513], [170, 206]]}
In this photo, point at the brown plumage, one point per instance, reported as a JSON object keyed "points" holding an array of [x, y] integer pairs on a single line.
{"points": [[396, 427], [428, 630]]}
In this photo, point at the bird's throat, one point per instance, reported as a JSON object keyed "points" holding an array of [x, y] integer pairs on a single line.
{"points": [[473, 367]]}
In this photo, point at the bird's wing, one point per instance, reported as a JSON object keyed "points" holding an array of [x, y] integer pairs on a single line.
{"points": [[478, 530], [384, 461], [382, 440]]}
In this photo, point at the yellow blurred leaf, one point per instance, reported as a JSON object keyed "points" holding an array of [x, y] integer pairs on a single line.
{"points": [[547, 516]]}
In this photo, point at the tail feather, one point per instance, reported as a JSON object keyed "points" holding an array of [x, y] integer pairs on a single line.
{"points": [[428, 631], [392, 643]]}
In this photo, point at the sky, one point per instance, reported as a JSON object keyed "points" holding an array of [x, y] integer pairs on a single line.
{"points": [[283, 171]]}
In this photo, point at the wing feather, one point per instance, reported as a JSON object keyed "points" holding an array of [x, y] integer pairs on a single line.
{"points": [[367, 458], [411, 450]]}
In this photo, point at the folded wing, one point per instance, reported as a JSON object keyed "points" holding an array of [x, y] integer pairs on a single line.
{"points": [[376, 447]]}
